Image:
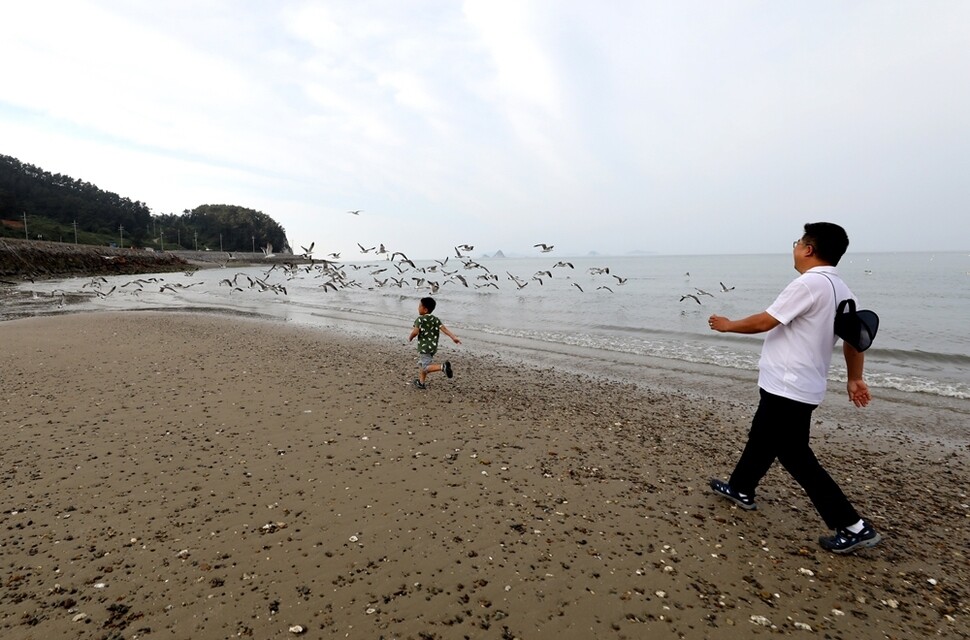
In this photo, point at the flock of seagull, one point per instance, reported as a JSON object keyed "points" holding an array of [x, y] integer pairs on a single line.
{"points": [[395, 270], [399, 271]]}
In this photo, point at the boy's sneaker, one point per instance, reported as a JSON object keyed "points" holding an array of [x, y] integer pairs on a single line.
{"points": [[725, 490], [419, 385], [844, 541], [448, 371]]}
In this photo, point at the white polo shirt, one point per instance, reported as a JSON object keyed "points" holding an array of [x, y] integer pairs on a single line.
{"points": [[797, 353]]}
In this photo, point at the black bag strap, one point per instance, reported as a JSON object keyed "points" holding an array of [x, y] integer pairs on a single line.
{"points": [[848, 302], [834, 294]]}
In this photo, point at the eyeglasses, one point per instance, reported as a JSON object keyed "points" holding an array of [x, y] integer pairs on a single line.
{"points": [[802, 242]]}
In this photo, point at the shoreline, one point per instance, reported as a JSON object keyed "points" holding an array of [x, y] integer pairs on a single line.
{"points": [[209, 476]]}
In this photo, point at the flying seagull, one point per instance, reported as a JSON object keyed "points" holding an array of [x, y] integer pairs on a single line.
{"points": [[545, 248], [355, 212], [690, 295], [725, 289]]}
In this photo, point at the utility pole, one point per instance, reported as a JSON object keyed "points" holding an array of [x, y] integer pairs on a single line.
{"points": [[121, 230], [26, 237], [254, 244], [220, 243], [161, 238], [75, 233], [178, 236], [196, 240]]}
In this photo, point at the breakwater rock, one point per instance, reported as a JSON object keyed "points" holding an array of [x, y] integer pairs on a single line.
{"points": [[38, 259]]}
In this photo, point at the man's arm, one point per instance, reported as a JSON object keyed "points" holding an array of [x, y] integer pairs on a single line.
{"points": [[758, 323], [854, 365], [448, 333]]}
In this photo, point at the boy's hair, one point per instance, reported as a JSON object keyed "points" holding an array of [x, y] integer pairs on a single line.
{"points": [[829, 239], [428, 303]]}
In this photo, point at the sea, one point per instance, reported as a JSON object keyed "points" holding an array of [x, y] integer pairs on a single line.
{"points": [[610, 308]]}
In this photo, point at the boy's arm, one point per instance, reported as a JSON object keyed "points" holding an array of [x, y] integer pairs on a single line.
{"points": [[448, 333], [414, 334], [854, 366]]}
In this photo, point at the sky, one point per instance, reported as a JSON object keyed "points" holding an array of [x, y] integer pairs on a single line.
{"points": [[615, 127]]}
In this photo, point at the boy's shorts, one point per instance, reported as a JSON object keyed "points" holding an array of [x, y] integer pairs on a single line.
{"points": [[424, 360]]}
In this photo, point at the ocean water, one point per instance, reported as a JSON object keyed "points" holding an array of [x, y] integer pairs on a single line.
{"points": [[923, 301]]}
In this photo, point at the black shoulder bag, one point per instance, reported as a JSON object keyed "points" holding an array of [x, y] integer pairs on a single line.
{"points": [[856, 327]]}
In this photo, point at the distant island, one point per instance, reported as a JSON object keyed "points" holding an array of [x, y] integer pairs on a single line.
{"points": [[38, 205]]}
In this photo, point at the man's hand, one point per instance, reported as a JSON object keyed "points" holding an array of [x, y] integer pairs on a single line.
{"points": [[858, 392]]}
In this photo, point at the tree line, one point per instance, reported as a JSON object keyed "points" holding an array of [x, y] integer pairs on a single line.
{"points": [[59, 207]]}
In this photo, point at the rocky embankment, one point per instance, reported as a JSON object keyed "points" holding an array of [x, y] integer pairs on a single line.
{"points": [[36, 259]]}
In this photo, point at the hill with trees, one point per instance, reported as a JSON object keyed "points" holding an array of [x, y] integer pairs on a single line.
{"points": [[38, 205]]}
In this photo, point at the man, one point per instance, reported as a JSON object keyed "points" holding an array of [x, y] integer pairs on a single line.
{"points": [[792, 377]]}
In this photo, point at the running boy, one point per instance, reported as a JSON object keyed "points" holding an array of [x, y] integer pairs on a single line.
{"points": [[426, 329]]}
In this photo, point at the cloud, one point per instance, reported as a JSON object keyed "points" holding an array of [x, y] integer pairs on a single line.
{"points": [[685, 127]]}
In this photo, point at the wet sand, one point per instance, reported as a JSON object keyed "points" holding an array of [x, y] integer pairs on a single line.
{"points": [[191, 476]]}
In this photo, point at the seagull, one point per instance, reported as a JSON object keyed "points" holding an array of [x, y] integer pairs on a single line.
{"points": [[577, 286], [620, 280], [306, 251], [335, 256], [703, 293], [546, 273], [563, 264], [355, 212], [465, 247], [598, 270], [363, 250], [268, 251], [725, 289], [690, 295], [604, 287], [545, 248]]}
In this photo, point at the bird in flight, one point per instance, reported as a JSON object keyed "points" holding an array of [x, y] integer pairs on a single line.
{"points": [[563, 264], [690, 295], [355, 212], [725, 289], [363, 250], [701, 292], [577, 286], [545, 248]]}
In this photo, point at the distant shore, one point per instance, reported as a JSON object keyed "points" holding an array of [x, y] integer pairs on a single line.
{"points": [[32, 259]]}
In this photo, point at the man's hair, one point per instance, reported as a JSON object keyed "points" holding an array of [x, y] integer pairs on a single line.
{"points": [[428, 303], [829, 240]]}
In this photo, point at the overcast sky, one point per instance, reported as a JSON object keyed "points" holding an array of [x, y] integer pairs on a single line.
{"points": [[670, 127]]}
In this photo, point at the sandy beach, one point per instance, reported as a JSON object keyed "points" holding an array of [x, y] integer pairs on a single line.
{"points": [[172, 475]]}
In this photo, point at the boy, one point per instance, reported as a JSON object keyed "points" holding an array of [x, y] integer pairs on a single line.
{"points": [[426, 329]]}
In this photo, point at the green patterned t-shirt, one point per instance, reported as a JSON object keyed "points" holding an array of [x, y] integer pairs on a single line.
{"points": [[429, 328]]}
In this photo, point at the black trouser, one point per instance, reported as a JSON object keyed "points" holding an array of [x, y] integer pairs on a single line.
{"points": [[780, 429]]}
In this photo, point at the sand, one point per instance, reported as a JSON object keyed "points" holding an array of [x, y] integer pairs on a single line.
{"points": [[194, 476]]}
